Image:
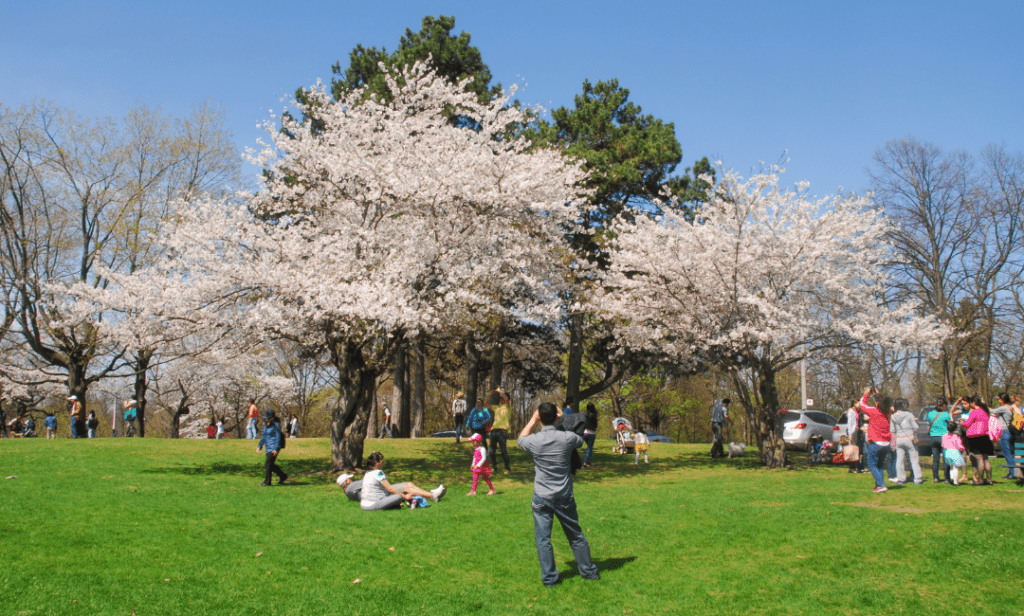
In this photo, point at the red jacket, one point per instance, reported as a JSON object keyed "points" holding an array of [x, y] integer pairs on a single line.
{"points": [[878, 429]]}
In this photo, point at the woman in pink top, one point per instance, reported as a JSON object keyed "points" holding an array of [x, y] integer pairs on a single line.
{"points": [[879, 436], [979, 445]]}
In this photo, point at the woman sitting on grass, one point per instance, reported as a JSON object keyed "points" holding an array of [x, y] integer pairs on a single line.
{"points": [[378, 494]]}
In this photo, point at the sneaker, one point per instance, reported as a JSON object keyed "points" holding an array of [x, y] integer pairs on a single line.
{"points": [[283, 479], [936, 481], [491, 493], [891, 480], [263, 485], [879, 489], [438, 492], [917, 483], [471, 493]]}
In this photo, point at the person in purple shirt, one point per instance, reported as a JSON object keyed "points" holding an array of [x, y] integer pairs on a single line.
{"points": [[553, 494]]}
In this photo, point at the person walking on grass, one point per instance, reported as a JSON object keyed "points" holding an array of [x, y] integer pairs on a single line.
{"points": [[879, 436], [553, 492], [385, 426], [940, 416], [1004, 415], [500, 426], [130, 414], [51, 425], [211, 430], [640, 443], [480, 466], [979, 443], [590, 433], [903, 427], [719, 417], [254, 413], [220, 428], [92, 424], [74, 410], [479, 419], [3, 417], [273, 438], [459, 415]]}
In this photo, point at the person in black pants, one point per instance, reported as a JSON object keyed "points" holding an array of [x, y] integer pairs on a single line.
{"points": [[274, 440]]}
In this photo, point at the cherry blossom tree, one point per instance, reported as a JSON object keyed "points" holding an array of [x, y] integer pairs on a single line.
{"points": [[386, 221], [760, 278]]}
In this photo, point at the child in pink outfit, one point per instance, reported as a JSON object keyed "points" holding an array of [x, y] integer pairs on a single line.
{"points": [[953, 450], [481, 467]]}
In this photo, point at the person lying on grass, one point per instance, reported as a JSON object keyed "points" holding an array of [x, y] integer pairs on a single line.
{"points": [[378, 494]]}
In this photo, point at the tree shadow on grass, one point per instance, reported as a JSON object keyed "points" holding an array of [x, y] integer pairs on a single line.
{"points": [[312, 471]]}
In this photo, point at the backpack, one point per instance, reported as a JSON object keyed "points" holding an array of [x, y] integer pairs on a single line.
{"points": [[995, 428], [576, 422], [1017, 423]]}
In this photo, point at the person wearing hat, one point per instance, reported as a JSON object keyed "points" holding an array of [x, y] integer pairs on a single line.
{"points": [[353, 489], [274, 440], [459, 414], [130, 413], [76, 408], [480, 466]]}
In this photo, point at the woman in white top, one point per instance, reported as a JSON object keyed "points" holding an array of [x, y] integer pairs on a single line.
{"points": [[378, 494], [903, 426]]}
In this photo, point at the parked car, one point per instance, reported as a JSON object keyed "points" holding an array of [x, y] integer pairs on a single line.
{"points": [[799, 427], [655, 437]]}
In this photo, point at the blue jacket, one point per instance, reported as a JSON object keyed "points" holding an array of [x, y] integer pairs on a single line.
{"points": [[271, 436], [478, 418]]}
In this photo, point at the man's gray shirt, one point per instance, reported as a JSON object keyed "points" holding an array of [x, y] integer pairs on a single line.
{"points": [[718, 412], [551, 449]]}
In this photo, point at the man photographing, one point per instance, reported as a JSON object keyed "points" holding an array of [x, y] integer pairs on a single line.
{"points": [[552, 492]]}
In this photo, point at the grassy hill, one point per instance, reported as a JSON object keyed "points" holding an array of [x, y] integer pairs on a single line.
{"points": [[153, 526]]}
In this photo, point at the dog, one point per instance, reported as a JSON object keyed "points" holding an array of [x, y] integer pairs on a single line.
{"points": [[736, 449]]}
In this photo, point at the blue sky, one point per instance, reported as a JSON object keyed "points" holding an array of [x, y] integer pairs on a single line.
{"points": [[743, 81]]}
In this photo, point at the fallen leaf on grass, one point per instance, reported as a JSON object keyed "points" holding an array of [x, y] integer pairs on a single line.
{"points": [[356, 581], [13, 477], [391, 549], [258, 554], [167, 579], [418, 566], [798, 556]]}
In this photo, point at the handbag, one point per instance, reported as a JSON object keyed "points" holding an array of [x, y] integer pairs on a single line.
{"points": [[851, 453]]}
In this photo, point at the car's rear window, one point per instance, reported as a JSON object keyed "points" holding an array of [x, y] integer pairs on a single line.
{"points": [[822, 418], [789, 416]]}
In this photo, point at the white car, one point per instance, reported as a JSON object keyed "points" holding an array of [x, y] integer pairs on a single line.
{"points": [[799, 427]]}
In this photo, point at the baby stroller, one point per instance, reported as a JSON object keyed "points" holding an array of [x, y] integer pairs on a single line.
{"points": [[623, 436], [819, 449]]}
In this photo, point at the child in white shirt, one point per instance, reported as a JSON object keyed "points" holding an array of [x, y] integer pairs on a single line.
{"points": [[641, 441]]}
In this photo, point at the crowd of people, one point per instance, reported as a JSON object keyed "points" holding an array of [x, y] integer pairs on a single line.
{"points": [[883, 437]]}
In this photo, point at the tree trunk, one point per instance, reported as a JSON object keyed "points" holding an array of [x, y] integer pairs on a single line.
{"points": [[356, 388], [574, 371], [142, 359], [372, 426], [398, 381], [419, 378], [497, 359], [763, 416], [472, 372]]}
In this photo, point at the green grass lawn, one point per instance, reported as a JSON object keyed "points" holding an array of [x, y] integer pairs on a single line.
{"points": [[147, 526]]}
